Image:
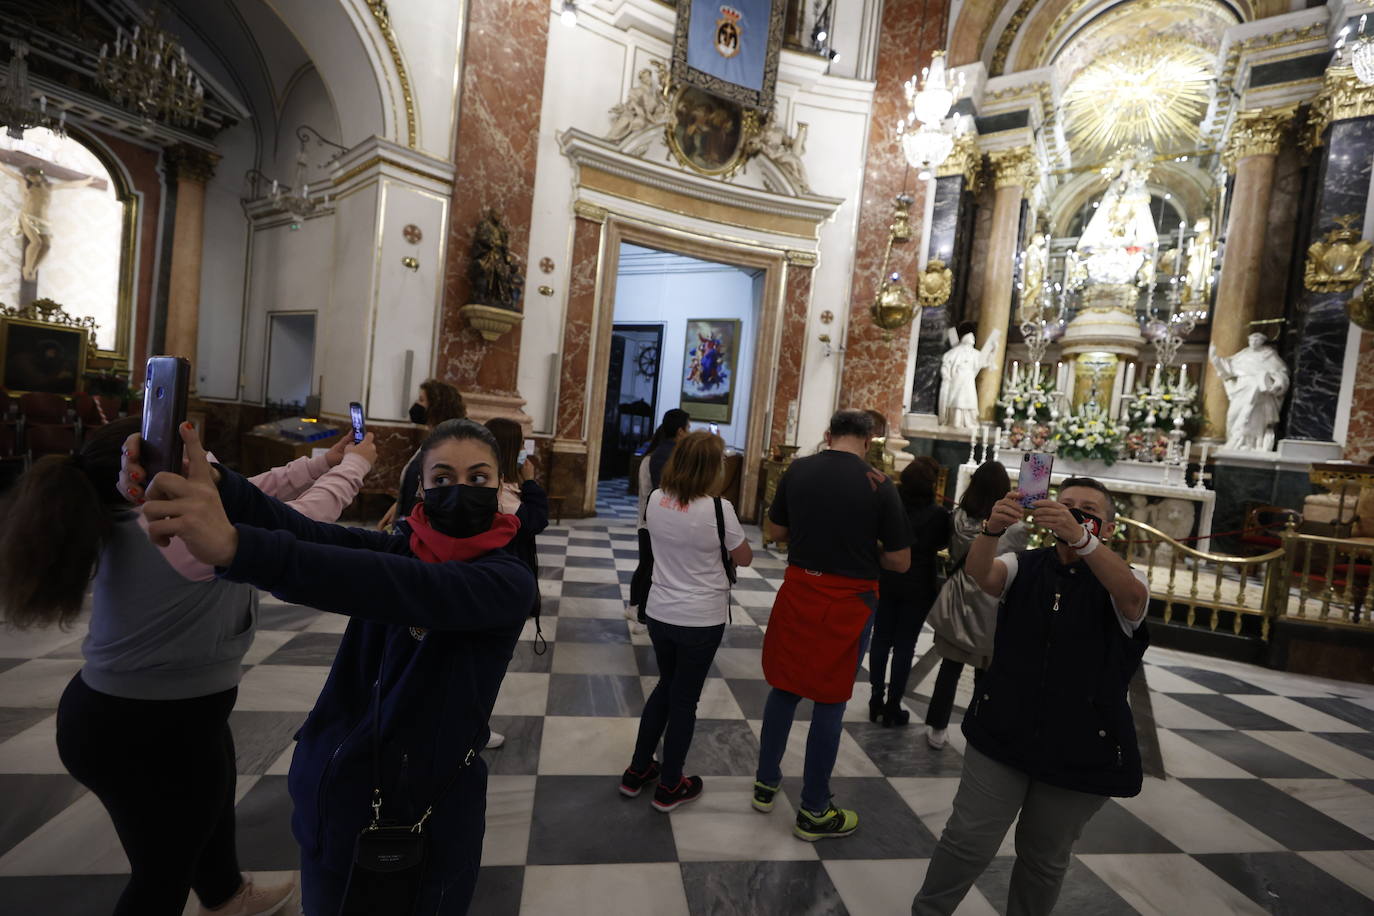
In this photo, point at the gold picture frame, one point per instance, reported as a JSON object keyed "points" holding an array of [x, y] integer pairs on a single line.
{"points": [[41, 356], [711, 363], [708, 134]]}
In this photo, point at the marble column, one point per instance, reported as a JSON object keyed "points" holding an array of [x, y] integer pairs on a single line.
{"points": [[191, 167], [875, 360], [1321, 325], [796, 302], [496, 151], [1014, 170], [1251, 152], [951, 232], [568, 467]]}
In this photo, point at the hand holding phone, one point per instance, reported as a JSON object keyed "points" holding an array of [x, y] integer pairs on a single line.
{"points": [[1034, 482], [355, 412]]}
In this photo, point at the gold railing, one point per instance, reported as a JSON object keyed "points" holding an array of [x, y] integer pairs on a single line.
{"points": [[1329, 578], [1205, 589]]}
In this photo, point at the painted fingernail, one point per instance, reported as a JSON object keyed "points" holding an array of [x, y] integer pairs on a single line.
{"points": [[135, 490], [186, 425], [136, 475]]}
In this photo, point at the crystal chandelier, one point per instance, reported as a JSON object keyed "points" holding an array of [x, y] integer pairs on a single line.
{"points": [[1362, 55], [926, 139], [17, 109], [926, 147], [936, 96], [148, 73]]}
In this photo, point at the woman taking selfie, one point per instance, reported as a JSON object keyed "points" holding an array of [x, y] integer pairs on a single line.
{"points": [[386, 768], [145, 723], [689, 603]]}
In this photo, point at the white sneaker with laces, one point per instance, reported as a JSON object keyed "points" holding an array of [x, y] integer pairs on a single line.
{"points": [[631, 612], [935, 737], [252, 900], [495, 740]]}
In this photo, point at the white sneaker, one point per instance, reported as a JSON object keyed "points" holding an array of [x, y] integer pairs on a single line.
{"points": [[935, 737], [631, 612], [252, 900], [495, 740]]}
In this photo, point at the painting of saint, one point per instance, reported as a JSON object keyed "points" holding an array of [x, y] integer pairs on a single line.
{"points": [[712, 355]]}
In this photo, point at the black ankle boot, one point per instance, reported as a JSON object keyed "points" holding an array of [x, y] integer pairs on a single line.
{"points": [[875, 706], [895, 715]]}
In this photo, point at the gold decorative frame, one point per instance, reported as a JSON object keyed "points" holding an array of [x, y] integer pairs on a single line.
{"points": [[747, 124], [82, 332], [703, 410], [684, 74]]}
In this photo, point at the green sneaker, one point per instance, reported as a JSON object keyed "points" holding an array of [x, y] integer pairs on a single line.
{"points": [[835, 822], [764, 796]]}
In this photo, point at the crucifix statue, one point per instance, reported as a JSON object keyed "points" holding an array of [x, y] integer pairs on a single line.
{"points": [[36, 191]]}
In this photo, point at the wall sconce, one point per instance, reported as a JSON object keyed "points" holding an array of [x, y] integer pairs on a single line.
{"points": [[410, 263], [830, 350]]}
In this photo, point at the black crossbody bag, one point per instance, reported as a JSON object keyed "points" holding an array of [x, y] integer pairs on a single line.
{"points": [[389, 858]]}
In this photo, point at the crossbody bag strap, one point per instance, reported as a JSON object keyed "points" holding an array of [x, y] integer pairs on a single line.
{"points": [[724, 555]]}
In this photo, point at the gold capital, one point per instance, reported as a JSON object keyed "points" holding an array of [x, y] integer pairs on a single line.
{"points": [[798, 258], [589, 211], [190, 163], [1343, 97], [1014, 168], [964, 160], [1256, 133]]}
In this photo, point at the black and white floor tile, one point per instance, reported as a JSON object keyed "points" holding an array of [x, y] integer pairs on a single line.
{"points": [[1267, 805]]}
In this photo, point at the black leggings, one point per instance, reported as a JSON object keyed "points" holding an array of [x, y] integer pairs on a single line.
{"points": [[164, 770], [946, 684], [895, 628]]}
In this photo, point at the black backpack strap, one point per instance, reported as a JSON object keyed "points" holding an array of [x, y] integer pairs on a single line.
{"points": [[725, 561]]}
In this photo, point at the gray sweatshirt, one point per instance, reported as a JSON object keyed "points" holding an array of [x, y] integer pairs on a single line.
{"points": [[156, 635]]}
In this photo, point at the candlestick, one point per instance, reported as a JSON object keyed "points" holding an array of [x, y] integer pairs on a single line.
{"points": [[1130, 378], [792, 423], [1154, 382], [1015, 372], [1199, 483], [1036, 376]]}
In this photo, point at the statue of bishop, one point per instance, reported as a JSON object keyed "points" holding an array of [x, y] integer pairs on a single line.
{"points": [[959, 368]]}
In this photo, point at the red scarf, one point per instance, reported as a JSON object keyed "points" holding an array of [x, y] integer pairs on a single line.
{"points": [[435, 547]]}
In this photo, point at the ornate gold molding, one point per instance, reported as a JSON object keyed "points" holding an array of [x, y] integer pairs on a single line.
{"points": [[1343, 97], [190, 163], [1016, 167], [966, 160], [800, 258], [1008, 36], [1334, 263], [1256, 133], [936, 284], [383, 19], [590, 212]]}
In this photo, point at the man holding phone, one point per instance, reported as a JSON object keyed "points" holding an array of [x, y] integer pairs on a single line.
{"points": [[1050, 734]]}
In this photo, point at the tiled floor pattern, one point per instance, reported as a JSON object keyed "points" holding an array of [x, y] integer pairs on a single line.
{"points": [[1268, 806]]}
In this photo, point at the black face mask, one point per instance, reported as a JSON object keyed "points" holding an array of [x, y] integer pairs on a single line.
{"points": [[1091, 522], [460, 511], [418, 414]]}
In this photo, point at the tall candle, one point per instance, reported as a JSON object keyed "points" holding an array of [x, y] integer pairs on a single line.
{"points": [[1036, 376], [1015, 372], [1154, 382], [1130, 378], [792, 423]]}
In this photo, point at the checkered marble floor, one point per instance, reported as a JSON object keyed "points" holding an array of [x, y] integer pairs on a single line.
{"points": [[1268, 804]]}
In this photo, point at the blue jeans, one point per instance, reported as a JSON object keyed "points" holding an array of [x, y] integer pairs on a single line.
{"points": [[822, 741], [684, 656]]}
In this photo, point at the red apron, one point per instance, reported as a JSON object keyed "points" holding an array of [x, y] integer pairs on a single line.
{"points": [[811, 646]]}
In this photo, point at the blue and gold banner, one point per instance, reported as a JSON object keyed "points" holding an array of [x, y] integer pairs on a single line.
{"points": [[730, 48]]}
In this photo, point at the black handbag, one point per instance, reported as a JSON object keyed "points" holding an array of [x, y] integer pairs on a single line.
{"points": [[389, 858]]}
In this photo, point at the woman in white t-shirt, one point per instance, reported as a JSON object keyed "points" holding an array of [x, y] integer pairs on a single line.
{"points": [[687, 609]]}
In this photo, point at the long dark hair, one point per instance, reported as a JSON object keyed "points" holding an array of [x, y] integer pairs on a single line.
{"points": [[510, 436], [674, 422], [989, 484], [57, 519], [445, 403]]}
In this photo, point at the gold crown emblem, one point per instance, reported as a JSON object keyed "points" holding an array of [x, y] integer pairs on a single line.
{"points": [[732, 14]]}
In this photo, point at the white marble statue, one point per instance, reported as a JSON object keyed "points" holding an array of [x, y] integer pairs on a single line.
{"points": [[959, 368], [644, 106], [1256, 379], [32, 219], [785, 150]]}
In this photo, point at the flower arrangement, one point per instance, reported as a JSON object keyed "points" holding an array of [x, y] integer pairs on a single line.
{"points": [[1090, 434], [1026, 399], [1147, 445], [1039, 434], [1163, 403]]}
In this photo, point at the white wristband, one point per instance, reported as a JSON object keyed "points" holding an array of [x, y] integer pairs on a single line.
{"points": [[1089, 547]]}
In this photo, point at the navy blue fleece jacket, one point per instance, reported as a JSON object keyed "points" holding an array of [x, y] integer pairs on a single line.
{"points": [[438, 685]]}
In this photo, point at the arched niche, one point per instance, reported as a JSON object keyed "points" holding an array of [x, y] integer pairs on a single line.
{"points": [[1191, 193]]}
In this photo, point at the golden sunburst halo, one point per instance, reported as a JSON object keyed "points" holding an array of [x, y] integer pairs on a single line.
{"points": [[1140, 92]]}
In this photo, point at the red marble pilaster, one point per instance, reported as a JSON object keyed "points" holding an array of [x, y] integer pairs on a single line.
{"points": [[874, 367], [496, 153], [796, 302], [1359, 438], [577, 329]]}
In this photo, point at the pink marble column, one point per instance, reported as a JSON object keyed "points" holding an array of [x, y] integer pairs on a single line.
{"points": [[191, 167], [874, 366], [496, 152], [568, 464], [1359, 437], [796, 302]]}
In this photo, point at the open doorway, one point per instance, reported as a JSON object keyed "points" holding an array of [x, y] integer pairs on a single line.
{"points": [[685, 334], [290, 360]]}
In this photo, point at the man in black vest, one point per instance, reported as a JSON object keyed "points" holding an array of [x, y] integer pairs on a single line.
{"points": [[1050, 734]]}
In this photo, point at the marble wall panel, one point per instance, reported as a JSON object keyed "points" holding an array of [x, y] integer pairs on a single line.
{"points": [[567, 481], [949, 231], [966, 309], [1320, 356], [796, 301], [496, 152], [577, 330], [1276, 258], [910, 30]]}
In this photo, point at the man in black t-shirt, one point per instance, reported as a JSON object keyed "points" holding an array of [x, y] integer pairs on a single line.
{"points": [[843, 523]]}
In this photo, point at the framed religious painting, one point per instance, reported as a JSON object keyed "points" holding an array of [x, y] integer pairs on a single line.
{"points": [[707, 134], [40, 356], [709, 363], [730, 49]]}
